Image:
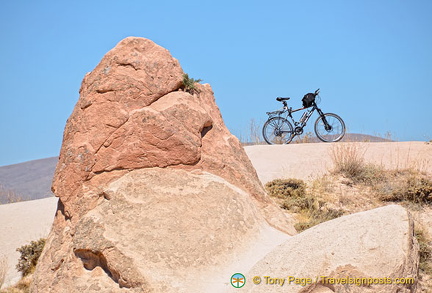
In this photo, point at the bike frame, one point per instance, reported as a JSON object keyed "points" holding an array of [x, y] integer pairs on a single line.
{"points": [[299, 125]]}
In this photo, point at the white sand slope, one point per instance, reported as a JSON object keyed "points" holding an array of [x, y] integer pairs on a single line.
{"points": [[21, 223]]}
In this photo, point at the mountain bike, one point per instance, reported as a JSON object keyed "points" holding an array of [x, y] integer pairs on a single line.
{"points": [[277, 129]]}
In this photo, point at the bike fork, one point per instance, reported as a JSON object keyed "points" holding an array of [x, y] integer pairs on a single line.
{"points": [[327, 126]]}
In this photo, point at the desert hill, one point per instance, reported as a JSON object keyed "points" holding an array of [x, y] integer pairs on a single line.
{"points": [[29, 180]]}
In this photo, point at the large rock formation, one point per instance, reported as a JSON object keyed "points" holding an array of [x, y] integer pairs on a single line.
{"points": [[155, 194]]}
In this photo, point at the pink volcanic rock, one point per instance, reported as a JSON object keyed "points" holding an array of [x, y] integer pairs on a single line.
{"points": [[155, 193]]}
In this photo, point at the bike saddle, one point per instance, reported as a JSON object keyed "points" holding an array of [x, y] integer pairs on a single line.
{"points": [[280, 99]]}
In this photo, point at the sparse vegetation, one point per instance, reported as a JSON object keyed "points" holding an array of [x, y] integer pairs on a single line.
{"points": [[286, 188], [348, 160], [8, 196], [354, 185], [425, 252], [308, 137], [409, 186], [23, 286], [3, 270], [26, 265], [189, 84], [255, 132], [29, 256], [292, 195]]}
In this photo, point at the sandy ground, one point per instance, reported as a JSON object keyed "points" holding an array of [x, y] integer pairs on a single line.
{"points": [[23, 222], [308, 161]]}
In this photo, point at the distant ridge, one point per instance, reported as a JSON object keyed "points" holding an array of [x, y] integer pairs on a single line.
{"points": [[29, 180], [364, 138]]}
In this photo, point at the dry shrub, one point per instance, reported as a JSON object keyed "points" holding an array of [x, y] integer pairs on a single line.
{"points": [[286, 188], [425, 252], [293, 196], [408, 186], [29, 256]]}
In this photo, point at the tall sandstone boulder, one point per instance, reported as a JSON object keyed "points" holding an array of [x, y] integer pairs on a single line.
{"points": [[155, 194]]}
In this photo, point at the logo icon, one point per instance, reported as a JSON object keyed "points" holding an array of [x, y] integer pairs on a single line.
{"points": [[238, 280]]}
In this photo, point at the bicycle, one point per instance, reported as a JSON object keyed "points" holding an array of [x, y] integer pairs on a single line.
{"points": [[277, 129]]}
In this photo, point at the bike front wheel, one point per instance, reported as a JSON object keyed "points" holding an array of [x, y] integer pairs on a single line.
{"points": [[277, 130], [329, 127]]}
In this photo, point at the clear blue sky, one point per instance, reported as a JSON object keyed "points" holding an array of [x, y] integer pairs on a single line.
{"points": [[372, 60]]}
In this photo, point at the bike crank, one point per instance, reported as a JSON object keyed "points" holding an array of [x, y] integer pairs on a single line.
{"points": [[298, 130]]}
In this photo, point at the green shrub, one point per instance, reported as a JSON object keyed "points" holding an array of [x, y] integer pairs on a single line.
{"points": [[29, 256], [189, 83]]}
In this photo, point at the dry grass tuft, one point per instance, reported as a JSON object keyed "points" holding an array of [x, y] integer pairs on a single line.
{"points": [[348, 160], [308, 137], [23, 286], [8, 196], [3, 270]]}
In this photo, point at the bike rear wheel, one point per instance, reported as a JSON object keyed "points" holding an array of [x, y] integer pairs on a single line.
{"points": [[329, 128], [277, 130]]}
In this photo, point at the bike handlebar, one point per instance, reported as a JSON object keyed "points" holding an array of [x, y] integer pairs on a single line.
{"points": [[317, 92]]}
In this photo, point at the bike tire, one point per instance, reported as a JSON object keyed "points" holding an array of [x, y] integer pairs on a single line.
{"points": [[335, 133], [277, 130]]}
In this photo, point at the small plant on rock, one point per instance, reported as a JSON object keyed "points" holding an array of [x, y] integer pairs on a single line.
{"points": [[29, 256], [189, 83]]}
